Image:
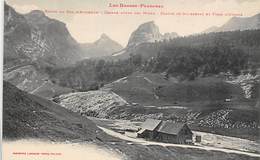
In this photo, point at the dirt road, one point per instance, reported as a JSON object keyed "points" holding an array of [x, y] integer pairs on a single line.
{"points": [[144, 142]]}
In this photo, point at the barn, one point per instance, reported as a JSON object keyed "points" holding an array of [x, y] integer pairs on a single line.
{"points": [[164, 131]]}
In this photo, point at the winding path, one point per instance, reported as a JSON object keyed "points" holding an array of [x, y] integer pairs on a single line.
{"points": [[144, 142]]}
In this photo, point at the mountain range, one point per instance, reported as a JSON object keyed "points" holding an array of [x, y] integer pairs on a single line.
{"points": [[36, 44], [192, 79], [237, 23], [149, 33]]}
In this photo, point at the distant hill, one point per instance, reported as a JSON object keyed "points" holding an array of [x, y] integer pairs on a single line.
{"points": [[29, 116], [238, 23], [104, 46], [211, 29]]}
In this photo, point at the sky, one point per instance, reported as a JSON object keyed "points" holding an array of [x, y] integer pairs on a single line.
{"points": [[87, 28]]}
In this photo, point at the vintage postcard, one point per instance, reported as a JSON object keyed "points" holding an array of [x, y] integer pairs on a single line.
{"points": [[131, 80]]}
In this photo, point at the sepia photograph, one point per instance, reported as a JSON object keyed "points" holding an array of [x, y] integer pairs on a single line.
{"points": [[131, 80]]}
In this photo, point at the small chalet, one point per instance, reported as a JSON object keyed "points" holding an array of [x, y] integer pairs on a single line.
{"points": [[164, 131]]}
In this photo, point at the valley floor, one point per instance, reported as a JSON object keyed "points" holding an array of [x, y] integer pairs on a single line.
{"points": [[209, 141]]}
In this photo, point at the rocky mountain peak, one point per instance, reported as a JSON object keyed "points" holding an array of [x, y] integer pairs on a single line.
{"points": [[103, 39], [146, 32], [148, 26], [104, 46], [104, 36]]}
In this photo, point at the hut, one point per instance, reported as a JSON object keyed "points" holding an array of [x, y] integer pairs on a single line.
{"points": [[148, 129], [164, 131]]}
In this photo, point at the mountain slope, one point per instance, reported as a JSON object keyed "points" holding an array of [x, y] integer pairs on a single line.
{"points": [[33, 43], [183, 57], [29, 116], [155, 89], [104, 46], [238, 23], [35, 37], [91, 103], [208, 104]]}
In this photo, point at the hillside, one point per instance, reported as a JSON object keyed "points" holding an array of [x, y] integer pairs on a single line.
{"points": [[244, 41], [201, 103], [29, 116], [92, 103], [33, 43], [30, 79], [49, 90], [153, 88], [191, 55], [182, 57]]}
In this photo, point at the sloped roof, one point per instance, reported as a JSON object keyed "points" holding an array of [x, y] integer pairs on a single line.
{"points": [[170, 127], [150, 124], [141, 131]]}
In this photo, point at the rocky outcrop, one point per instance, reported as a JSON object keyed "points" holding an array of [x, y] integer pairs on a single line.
{"points": [[147, 32]]}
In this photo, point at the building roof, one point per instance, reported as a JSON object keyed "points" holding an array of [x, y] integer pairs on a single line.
{"points": [[166, 127], [150, 124], [170, 127], [141, 131]]}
